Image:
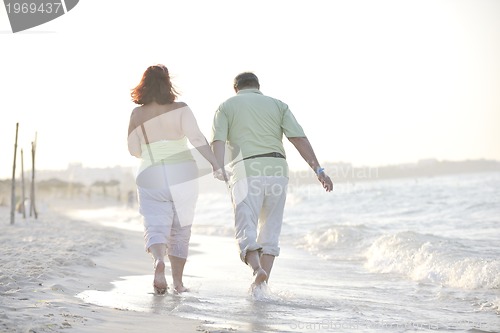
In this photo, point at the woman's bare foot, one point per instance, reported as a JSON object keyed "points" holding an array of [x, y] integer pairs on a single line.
{"points": [[260, 276], [159, 282], [180, 289]]}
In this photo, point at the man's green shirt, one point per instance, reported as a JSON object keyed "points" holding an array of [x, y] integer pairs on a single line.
{"points": [[253, 124]]}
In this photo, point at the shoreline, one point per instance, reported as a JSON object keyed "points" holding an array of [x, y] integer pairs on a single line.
{"points": [[110, 268], [47, 262]]}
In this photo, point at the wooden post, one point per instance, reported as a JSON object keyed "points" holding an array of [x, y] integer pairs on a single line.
{"points": [[13, 191], [32, 196], [23, 195]]}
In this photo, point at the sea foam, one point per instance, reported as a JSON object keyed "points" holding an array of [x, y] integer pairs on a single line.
{"points": [[428, 258]]}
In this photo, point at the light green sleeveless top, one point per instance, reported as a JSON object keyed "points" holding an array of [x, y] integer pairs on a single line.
{"points": [[165, 152]]}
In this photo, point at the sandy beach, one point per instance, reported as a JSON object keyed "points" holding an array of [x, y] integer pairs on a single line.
{"points": [[45, 263]]}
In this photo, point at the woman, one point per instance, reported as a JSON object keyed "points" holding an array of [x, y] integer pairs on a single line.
{"points": [[167, 178]]}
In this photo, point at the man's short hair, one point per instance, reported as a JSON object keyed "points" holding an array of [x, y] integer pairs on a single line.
{"points": [[246, 80]]}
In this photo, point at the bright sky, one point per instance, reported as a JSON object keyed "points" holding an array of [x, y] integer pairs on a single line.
{"points": [[371, 82]]}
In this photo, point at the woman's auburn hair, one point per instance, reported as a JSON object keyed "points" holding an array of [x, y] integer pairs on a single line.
{"points": [[155, 86]]}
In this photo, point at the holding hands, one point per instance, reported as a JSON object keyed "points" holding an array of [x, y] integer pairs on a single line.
{"points": [[222, 174]]}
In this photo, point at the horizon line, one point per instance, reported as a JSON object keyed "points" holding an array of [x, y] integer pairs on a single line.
{"points": [[419, 161]]}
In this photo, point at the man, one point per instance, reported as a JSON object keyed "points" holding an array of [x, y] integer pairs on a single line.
{"points": [[253, 126]]}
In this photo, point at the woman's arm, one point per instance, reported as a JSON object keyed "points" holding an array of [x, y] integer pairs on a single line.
{"points": [[196, 138], [134, 142]]}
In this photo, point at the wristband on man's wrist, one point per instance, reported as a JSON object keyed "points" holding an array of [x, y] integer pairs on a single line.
{"points": [[319, 170]]}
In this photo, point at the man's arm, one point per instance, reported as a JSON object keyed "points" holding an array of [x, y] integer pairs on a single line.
{"points": [[305, 149], [219, 149]]}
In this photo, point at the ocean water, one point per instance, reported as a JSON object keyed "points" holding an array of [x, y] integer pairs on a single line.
{"points": [[404, 255]]}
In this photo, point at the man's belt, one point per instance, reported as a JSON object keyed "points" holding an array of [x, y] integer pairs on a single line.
{"points": [[277, 155]]}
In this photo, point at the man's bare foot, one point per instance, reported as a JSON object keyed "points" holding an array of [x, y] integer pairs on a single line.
{"points": [[159, 282], [180, 289], [260, 276]]}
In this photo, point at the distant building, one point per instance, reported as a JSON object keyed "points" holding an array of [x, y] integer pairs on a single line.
{"points": [[427, 162]]}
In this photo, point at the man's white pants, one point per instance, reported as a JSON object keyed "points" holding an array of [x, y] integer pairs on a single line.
{"points": [[259, 203]]}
